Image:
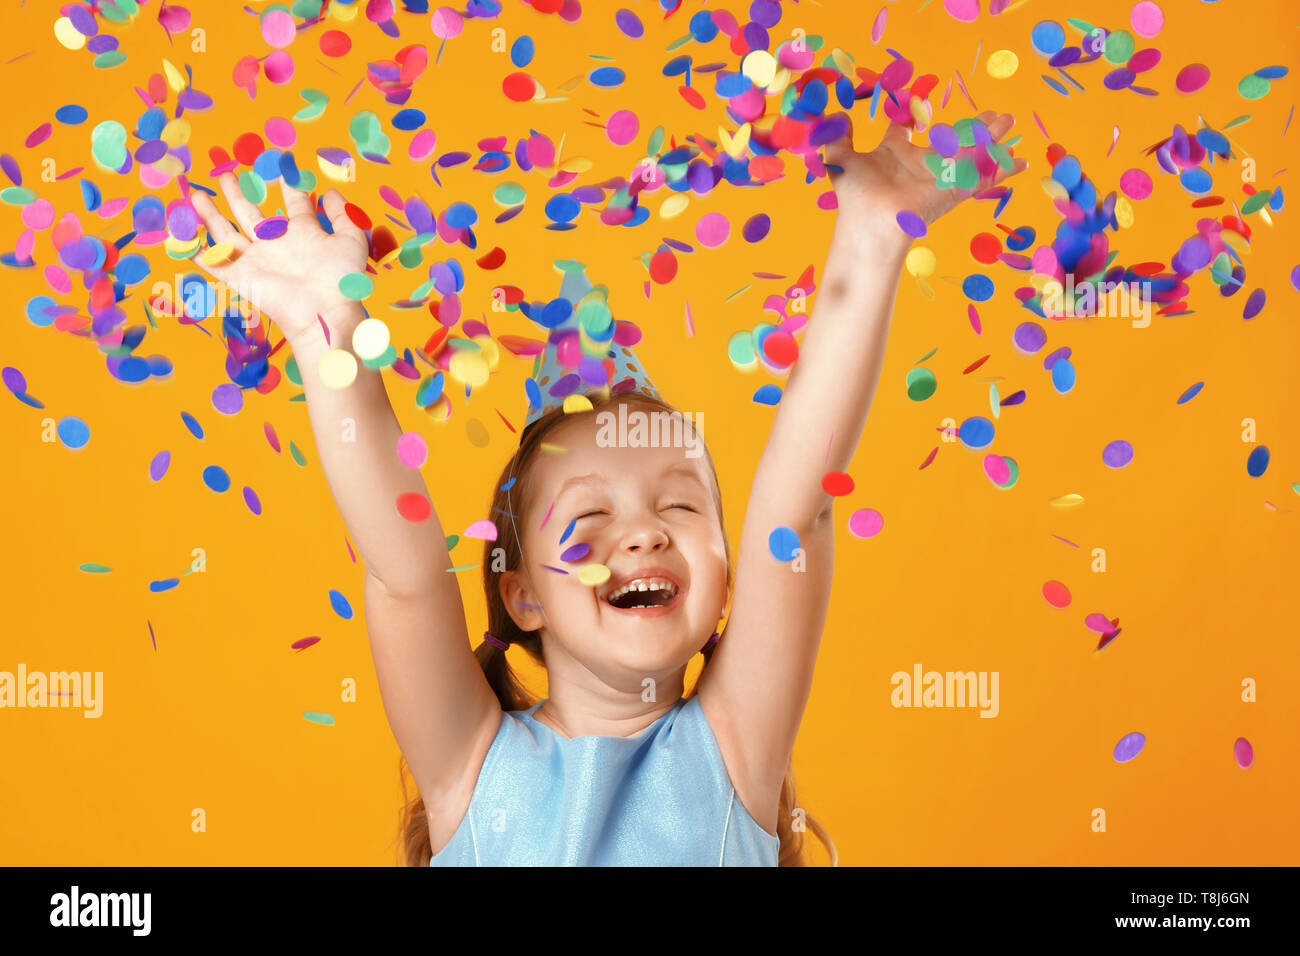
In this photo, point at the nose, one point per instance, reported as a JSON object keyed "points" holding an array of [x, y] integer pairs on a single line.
{"points": [[644, 534]]}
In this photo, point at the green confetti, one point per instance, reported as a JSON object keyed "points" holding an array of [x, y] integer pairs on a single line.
{"points": [[356, 286], [95, 569], [291, 371], [314, 717], [297, 455]]}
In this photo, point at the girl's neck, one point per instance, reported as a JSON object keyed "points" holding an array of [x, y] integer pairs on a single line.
{"points": [[621, 719]]}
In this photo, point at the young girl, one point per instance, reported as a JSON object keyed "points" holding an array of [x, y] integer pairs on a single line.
{"points": [[616, 766]]}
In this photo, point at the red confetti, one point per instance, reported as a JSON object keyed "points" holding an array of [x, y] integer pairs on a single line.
{"points": [[837, 484], [414, 507]]}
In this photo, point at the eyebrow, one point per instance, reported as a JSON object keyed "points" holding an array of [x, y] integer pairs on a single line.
{"points": [[598, 479]]}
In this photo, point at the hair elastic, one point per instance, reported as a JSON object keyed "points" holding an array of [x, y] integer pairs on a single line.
{"points": [[495, 641], [710, 642]]}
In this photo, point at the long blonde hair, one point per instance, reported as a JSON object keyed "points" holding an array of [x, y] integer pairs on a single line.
{"points": [[415, 848]]}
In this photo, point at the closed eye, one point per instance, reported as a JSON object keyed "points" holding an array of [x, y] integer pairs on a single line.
{"points": [[683, 505], [588, 515]]}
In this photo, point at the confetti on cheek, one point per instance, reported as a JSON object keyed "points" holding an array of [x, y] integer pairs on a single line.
{"points": [[593, 575], [1129, 746], [1243, 753], [1056, 594], [576, 552]]}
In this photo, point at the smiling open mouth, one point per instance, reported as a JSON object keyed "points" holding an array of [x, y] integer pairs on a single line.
{"points": [[644, 596]]}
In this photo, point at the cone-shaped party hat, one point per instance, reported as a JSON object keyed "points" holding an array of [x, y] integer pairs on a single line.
{"points": [[586, 349]]}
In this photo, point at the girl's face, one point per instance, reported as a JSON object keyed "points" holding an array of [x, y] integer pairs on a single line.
{"points": [[639, 509]]}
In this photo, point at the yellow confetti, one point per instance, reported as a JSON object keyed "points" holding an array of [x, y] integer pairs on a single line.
{"points": [[175, 78], [370, 338], [844, 63], [217, 254], [1002, 64], [593, 574], [1123, 212], [1067, 501], [577, 403], [759, 67], [920, 262], [337, 368], [575, 164], [551, 449], [468, 368], [67, 34], [674, 205]]}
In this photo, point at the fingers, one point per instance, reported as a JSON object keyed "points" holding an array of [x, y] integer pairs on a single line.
{"points": [[1000, 126], [245, 213], [217, 225], [296, 204], [336, 213]]}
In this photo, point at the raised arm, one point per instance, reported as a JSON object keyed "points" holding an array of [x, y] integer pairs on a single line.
{"points": [[757, 684], [438, 702]]}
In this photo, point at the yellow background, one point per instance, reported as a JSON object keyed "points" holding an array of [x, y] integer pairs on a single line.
{"points": [[1200, 572]]}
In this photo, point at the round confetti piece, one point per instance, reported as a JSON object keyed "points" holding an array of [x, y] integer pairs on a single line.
{"points": [[1147, 19], [1243, 753], [1135, 184], [216, 478], [414, 507], [278, 28], [622, 127], [73, 433], [593, 575], [337, 368], [976, 433], [1056, 594], [1257, 462], [1196, 181], [1117, 454], [629, 24], [575, 552], [335, 43], [911, 223], [1002, 64], [712, 230], [837, 484], [783, 543], [1192, 78], [482, 530], [1295, 278], [1047, 38], [866, 523], [1253, 87], [228, 399], [921, 384], [920, 262], [356, 286], [757, 227], [1130, 745], [964, 11], [977, 287], [412, 451], [996, 469], [519, 87], [447, 24], [663, 267], [370, 339], [521, 52], [1254, 304], [71, 115], [340, 605], [985, 248], [1028, 338]]}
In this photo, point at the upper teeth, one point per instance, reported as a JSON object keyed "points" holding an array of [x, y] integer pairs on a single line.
{"points": [[644, 584]]}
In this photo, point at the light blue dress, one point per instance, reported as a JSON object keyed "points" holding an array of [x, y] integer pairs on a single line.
{"points": [[661, 798]]}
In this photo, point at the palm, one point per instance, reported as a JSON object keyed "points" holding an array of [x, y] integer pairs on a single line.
{"points": [[893, 177], [295, 277]]}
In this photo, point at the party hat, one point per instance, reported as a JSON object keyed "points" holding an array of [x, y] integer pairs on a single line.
{"points": [[586, 350]]}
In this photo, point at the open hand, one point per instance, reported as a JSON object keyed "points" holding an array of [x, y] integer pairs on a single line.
{"points": [[893, 177], [295, 277]]}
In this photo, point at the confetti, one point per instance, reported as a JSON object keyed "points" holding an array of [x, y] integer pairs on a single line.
{"points": [[1056, 594], [1128, 747]]}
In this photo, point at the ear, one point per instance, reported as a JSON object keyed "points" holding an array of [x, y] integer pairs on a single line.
{"points": [[520, 603]]}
